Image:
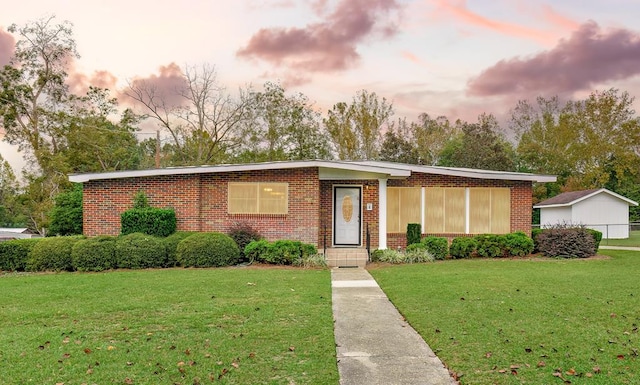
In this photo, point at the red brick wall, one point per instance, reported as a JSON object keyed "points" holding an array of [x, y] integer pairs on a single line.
{"points": [[521, 199], [200, 202]]}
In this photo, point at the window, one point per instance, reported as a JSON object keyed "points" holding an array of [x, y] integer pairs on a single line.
{"points": [[258, 198], [444, 210], [489, 210], [467, 210], [403, 207]]}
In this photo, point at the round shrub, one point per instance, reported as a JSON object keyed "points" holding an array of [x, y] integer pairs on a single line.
{"points": [[14, 253], [207, 250], [255, 250], [52, 254], [171, 244], [518, 244], [462, 247], [418, 255], [490, 245], [140, 251], [437, 246], [94, 254]]}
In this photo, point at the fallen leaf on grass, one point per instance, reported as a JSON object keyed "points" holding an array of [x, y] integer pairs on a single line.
{"points": [[292, 348], [488, 354], [87, 351], [235, 365], [541, 364], [252, 355], [250, 284], [597, 370], [111, 347], [128, 381]]}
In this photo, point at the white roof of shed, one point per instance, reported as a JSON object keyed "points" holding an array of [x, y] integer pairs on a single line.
{"points": [[570, 198], [327, 167]]}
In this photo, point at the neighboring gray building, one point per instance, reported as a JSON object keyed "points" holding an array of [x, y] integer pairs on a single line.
{"points": [[8, 233], [598, 209]]}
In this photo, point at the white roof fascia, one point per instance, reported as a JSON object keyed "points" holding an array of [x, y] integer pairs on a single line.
{"points": [[469, 172], [377, 169]]}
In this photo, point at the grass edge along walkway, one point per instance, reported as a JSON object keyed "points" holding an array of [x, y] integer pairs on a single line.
{"points": [[183, 326], [525, 321]]}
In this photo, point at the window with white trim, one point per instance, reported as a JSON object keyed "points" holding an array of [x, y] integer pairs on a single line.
{"points": [[258, 198]]}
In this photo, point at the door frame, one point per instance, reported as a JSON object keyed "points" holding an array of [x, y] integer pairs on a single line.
{"points": [[333, 215]]}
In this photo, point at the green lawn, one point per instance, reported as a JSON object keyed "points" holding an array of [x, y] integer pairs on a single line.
{"points": [[521, 321], [174, 326], [633, 240]]}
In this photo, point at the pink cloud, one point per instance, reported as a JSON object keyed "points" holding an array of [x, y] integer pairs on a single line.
{"points": [[459, 10], [79, 82], [560, 20], [329, 45], [167, 86], [7, 46], [588, 57]]}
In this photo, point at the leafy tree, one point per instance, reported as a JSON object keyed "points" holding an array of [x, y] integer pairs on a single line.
{"points": [[479, 145], [430, 137], [398, 145], [66, 215], [282, 127], [203, 124], [33, 88], [11, 209], [588, 143], [355, 129]]}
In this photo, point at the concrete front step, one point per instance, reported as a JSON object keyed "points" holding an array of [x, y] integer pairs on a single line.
{"points": [[346, 257]]}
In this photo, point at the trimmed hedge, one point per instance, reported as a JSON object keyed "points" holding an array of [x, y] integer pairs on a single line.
{"points": [[207, 250], [52, 254], [597, 238], [566, 243], [490, 245], [94, 254], [14, 253], [437, 246], [462, 247], [534, 236], [281, 252], [140, 251], [171, 244], [151, 221], [518, 244], [414, 232]]}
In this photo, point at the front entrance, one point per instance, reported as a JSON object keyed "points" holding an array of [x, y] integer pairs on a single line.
{"points": [[347, 227]]}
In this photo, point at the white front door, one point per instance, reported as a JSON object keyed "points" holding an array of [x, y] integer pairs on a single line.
{"points": [[346, 216]]}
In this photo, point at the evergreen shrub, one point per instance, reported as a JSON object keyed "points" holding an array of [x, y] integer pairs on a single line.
{"points": [[140, 251], [414, 232], [52, 254], [462, 247], [207, 250], [94, 254], [171, 244], [490, 245], [14, 253], [151, 221], [437, 246], [518, 244]]}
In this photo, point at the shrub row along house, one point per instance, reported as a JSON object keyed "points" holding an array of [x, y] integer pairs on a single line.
{"points": [[342, 207]]}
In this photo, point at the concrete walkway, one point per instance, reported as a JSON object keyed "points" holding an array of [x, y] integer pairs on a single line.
{"points": [[631, 248], [373, 342]]}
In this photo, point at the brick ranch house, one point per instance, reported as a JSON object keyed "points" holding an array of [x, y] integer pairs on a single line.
{"points": [[331, 204]]}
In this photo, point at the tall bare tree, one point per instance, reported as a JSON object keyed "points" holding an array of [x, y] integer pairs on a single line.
{"points": [[201, 117]]}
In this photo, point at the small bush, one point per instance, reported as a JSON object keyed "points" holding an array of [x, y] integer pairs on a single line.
{"points": [[14, 253], [597, 238], [490, 245], [140, 251], [282, 252], [151, 221], [462, 247], [518, 244], [387, 256], [171, 244], [52, 254], [243, 234], [311, 261], [566, 243], [94, 254], [256, 249], [207, 250], [414, 232], [418, 255], [437, 246]]}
